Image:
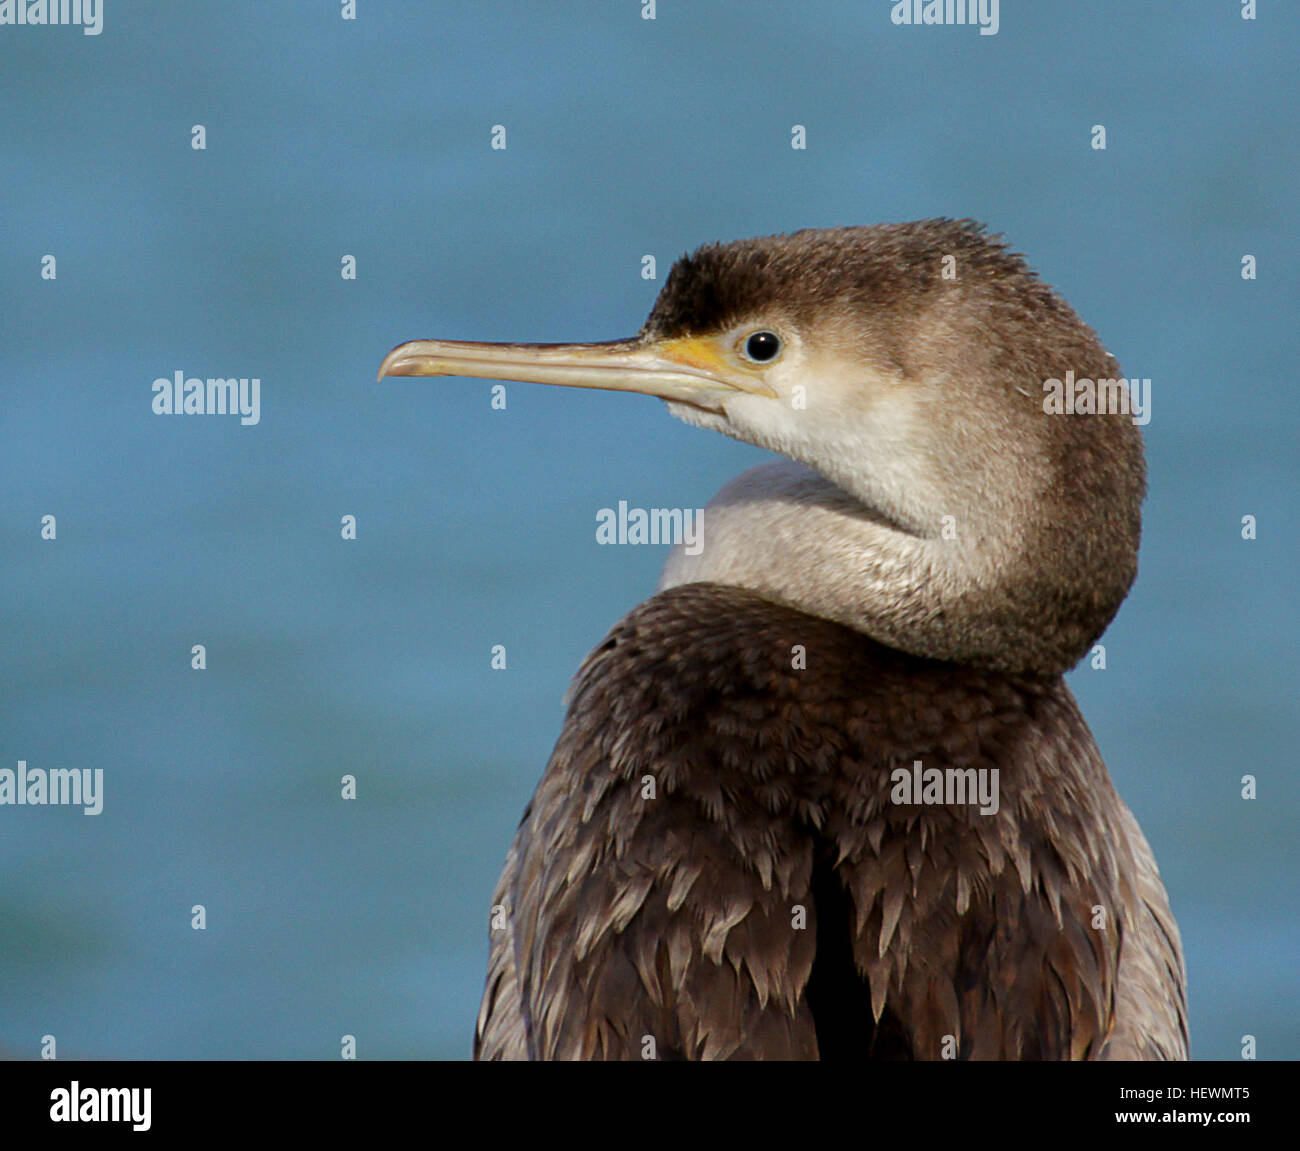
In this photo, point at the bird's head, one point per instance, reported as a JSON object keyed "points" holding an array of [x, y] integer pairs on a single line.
{"points": [[906, 364]]}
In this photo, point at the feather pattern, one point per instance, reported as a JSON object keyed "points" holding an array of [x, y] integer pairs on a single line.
{"points": [[687, 925]]}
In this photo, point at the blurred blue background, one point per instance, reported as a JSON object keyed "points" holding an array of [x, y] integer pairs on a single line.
{"points": [[626, 137]]}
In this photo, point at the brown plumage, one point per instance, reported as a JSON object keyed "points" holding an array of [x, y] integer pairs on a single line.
{"points": [[672, 917], [716, 863]]}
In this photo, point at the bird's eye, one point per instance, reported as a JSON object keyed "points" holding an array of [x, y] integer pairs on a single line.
{"points": [[762, 346]]}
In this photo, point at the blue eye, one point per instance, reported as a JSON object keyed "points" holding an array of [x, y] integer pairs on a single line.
{"points": [[762, 346]]}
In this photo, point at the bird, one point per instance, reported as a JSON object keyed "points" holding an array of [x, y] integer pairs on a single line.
{"points": [[735, 850]]}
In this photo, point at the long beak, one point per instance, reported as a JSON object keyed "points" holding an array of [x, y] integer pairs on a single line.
{"points": [[691, 370]]}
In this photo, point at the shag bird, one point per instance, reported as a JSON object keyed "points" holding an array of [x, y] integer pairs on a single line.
{"points": [[759, 835]]}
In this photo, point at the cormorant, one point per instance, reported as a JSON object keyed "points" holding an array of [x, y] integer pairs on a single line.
{"points": [[826, 795]]}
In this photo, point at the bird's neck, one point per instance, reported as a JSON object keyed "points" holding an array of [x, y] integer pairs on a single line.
{"points": [[787, 533]]}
